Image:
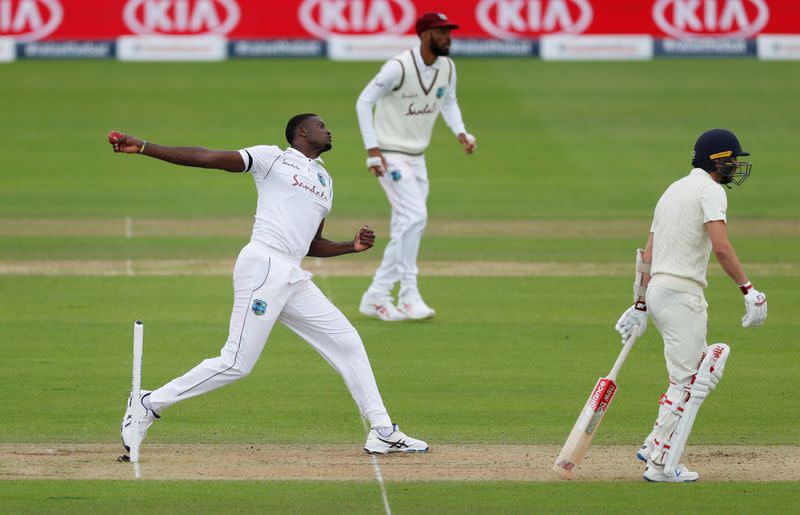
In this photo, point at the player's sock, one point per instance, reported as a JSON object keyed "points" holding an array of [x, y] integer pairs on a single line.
{"points": [[384, 431], [147, 405]]}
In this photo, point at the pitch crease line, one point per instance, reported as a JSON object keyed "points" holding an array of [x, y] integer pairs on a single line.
{"points": [[128, 227], [378, 474]]}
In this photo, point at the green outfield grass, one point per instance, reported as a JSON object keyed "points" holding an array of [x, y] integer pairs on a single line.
{"points": [[409, 498], [507, 360], [580, 139], [517, 364], [490, 247]]}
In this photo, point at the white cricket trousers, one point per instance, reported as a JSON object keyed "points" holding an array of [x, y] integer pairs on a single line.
{"points": [[269, 286], [406, 186], [682, 320]]}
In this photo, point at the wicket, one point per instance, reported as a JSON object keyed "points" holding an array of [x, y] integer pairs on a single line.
{"points": [[136, 378]]}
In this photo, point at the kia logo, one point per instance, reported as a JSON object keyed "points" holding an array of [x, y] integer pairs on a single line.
{"points": [[505, 19], [325, 17], [30, 20], [181, 16], [704, 18]]}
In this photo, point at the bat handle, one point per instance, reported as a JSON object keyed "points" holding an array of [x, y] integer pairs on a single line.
{"points": [[623, 355]]}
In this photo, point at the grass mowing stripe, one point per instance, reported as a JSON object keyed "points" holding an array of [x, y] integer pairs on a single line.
{"points": [[351, 268], [563, 228], [439, 248], [315, 497]]}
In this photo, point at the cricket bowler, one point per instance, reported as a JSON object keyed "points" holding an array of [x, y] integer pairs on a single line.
{"points": [[295, 194]]}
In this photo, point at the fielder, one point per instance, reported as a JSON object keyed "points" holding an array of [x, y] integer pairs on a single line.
{"points": [[408, 93], [295, 194], [689, 221]]}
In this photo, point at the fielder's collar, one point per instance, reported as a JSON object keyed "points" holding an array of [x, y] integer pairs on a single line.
{"points": [[299, 154]]}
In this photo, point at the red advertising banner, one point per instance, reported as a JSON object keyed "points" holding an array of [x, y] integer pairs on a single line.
{"points": [[53, 20]]}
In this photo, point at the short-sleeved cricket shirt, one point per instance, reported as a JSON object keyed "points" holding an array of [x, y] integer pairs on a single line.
{"points": [[681, 244], [295, 194]]}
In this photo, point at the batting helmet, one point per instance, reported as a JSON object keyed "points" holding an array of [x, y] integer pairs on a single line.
{"points": [[715, 144], [715, 151]]}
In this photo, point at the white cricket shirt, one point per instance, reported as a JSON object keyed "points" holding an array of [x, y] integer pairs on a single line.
{"points": [[408, 95], [295, 194], [681, 245]]}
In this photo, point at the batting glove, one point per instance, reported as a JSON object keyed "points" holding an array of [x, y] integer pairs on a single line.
{"points": [[634, 319], [755, 306]]}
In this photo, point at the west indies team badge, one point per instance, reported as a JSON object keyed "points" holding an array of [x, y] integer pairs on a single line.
{"points": [[259, 307], [440, 92]]}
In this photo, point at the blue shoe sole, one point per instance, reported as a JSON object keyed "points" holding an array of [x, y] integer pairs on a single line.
{"points": [[651, 481], [394, 452]]}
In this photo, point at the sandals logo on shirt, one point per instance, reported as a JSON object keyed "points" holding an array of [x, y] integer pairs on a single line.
{"points": [[321, 178], [259, 307], [298, 181]]}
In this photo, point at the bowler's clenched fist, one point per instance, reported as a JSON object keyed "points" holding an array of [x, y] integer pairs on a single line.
{"points": [[124, 143], [364, 240]]}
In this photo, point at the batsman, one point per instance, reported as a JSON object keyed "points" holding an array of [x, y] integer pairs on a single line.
{"points": [[689, 221]]}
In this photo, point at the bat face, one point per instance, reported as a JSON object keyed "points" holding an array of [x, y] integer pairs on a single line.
{"points": [[598, 403], [583, 431]]}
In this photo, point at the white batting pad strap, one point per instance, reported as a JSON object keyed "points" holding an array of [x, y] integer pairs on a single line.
{"points": [[374, 161], [675, 398]]}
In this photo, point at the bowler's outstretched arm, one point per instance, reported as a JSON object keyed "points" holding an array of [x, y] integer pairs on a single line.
{"points": [[228, 160]]}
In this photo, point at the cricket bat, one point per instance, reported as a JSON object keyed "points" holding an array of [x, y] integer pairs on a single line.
{"points": [[590, 418]]}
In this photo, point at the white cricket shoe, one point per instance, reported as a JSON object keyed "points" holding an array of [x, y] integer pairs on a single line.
{"points": [[655, 473], [382, 309], [136, 422], [397, 441], [414, 308]]}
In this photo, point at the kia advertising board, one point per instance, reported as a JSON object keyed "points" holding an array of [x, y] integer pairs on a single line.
{"points": [[30, 20], [36, 20], [487, 27], [741, 19]]}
